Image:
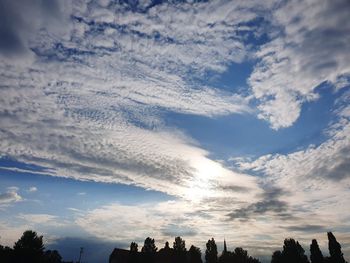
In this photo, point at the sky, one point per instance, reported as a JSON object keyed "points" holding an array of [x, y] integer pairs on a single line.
{"points": [[121, 120]]}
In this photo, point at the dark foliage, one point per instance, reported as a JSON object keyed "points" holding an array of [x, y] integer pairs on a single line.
{"points": [[211, 253], [6, 254], [315, 253], [336, 256], [239, 255], [52, 256], [277, 257], [149, 250], [194, 255], [29, 249], [293, 252], [133, 253], [180, 252], [134, 247], [149, 246]]}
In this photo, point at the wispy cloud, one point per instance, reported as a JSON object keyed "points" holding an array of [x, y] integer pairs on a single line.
{"points": [[92, 104], [32, 189], [11, 196], [313, 177], [38, 218]]}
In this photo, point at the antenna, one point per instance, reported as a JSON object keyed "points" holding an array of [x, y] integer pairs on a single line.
{"points": [[80, 254]]}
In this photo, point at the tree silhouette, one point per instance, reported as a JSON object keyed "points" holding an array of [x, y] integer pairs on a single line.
{"points": [[29, 248], [277, 257], [179, 250], [194, 255], [315, 253], [149, 249], [293, 252], [241, 256], [6, 254], [179, 245], [336, 256], [166, 246], [52, 256], [134, 247], [133, 253], [211, 253], [149, 246]]}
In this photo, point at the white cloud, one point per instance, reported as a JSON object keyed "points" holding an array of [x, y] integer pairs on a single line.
{"points": [[316, 179], [32, 189], [38, 218], [94, 113], [9, 197], [10, 233], [311, 47]]}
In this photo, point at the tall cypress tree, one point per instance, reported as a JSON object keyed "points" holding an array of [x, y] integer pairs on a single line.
{"points": [[179, 250], [293, 252], [315, 253], [334, 249]]}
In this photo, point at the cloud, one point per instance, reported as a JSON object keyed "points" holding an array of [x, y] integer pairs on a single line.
{"points": [[93, 103], [178, 230], [38, 218], [312, 177], [9, 197], [310, 47], [11, 233], [32, 189], [269, 203], [21, 20], [307, 228]]}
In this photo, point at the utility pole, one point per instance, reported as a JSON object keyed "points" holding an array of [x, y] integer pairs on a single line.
{"points": [[80, 254]]}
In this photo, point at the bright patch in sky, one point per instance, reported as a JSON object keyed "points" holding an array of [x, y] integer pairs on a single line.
{"points": [[126, 119]]}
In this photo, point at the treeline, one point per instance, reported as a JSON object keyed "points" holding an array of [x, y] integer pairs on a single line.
{"points": [[292, 252], [29, 249], [178, 253]]}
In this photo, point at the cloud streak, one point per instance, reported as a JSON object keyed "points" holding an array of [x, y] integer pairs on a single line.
{"points": [[10, 196]]}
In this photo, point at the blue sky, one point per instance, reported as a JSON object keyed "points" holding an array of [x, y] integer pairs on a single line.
{"points": [[126, 119]]}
